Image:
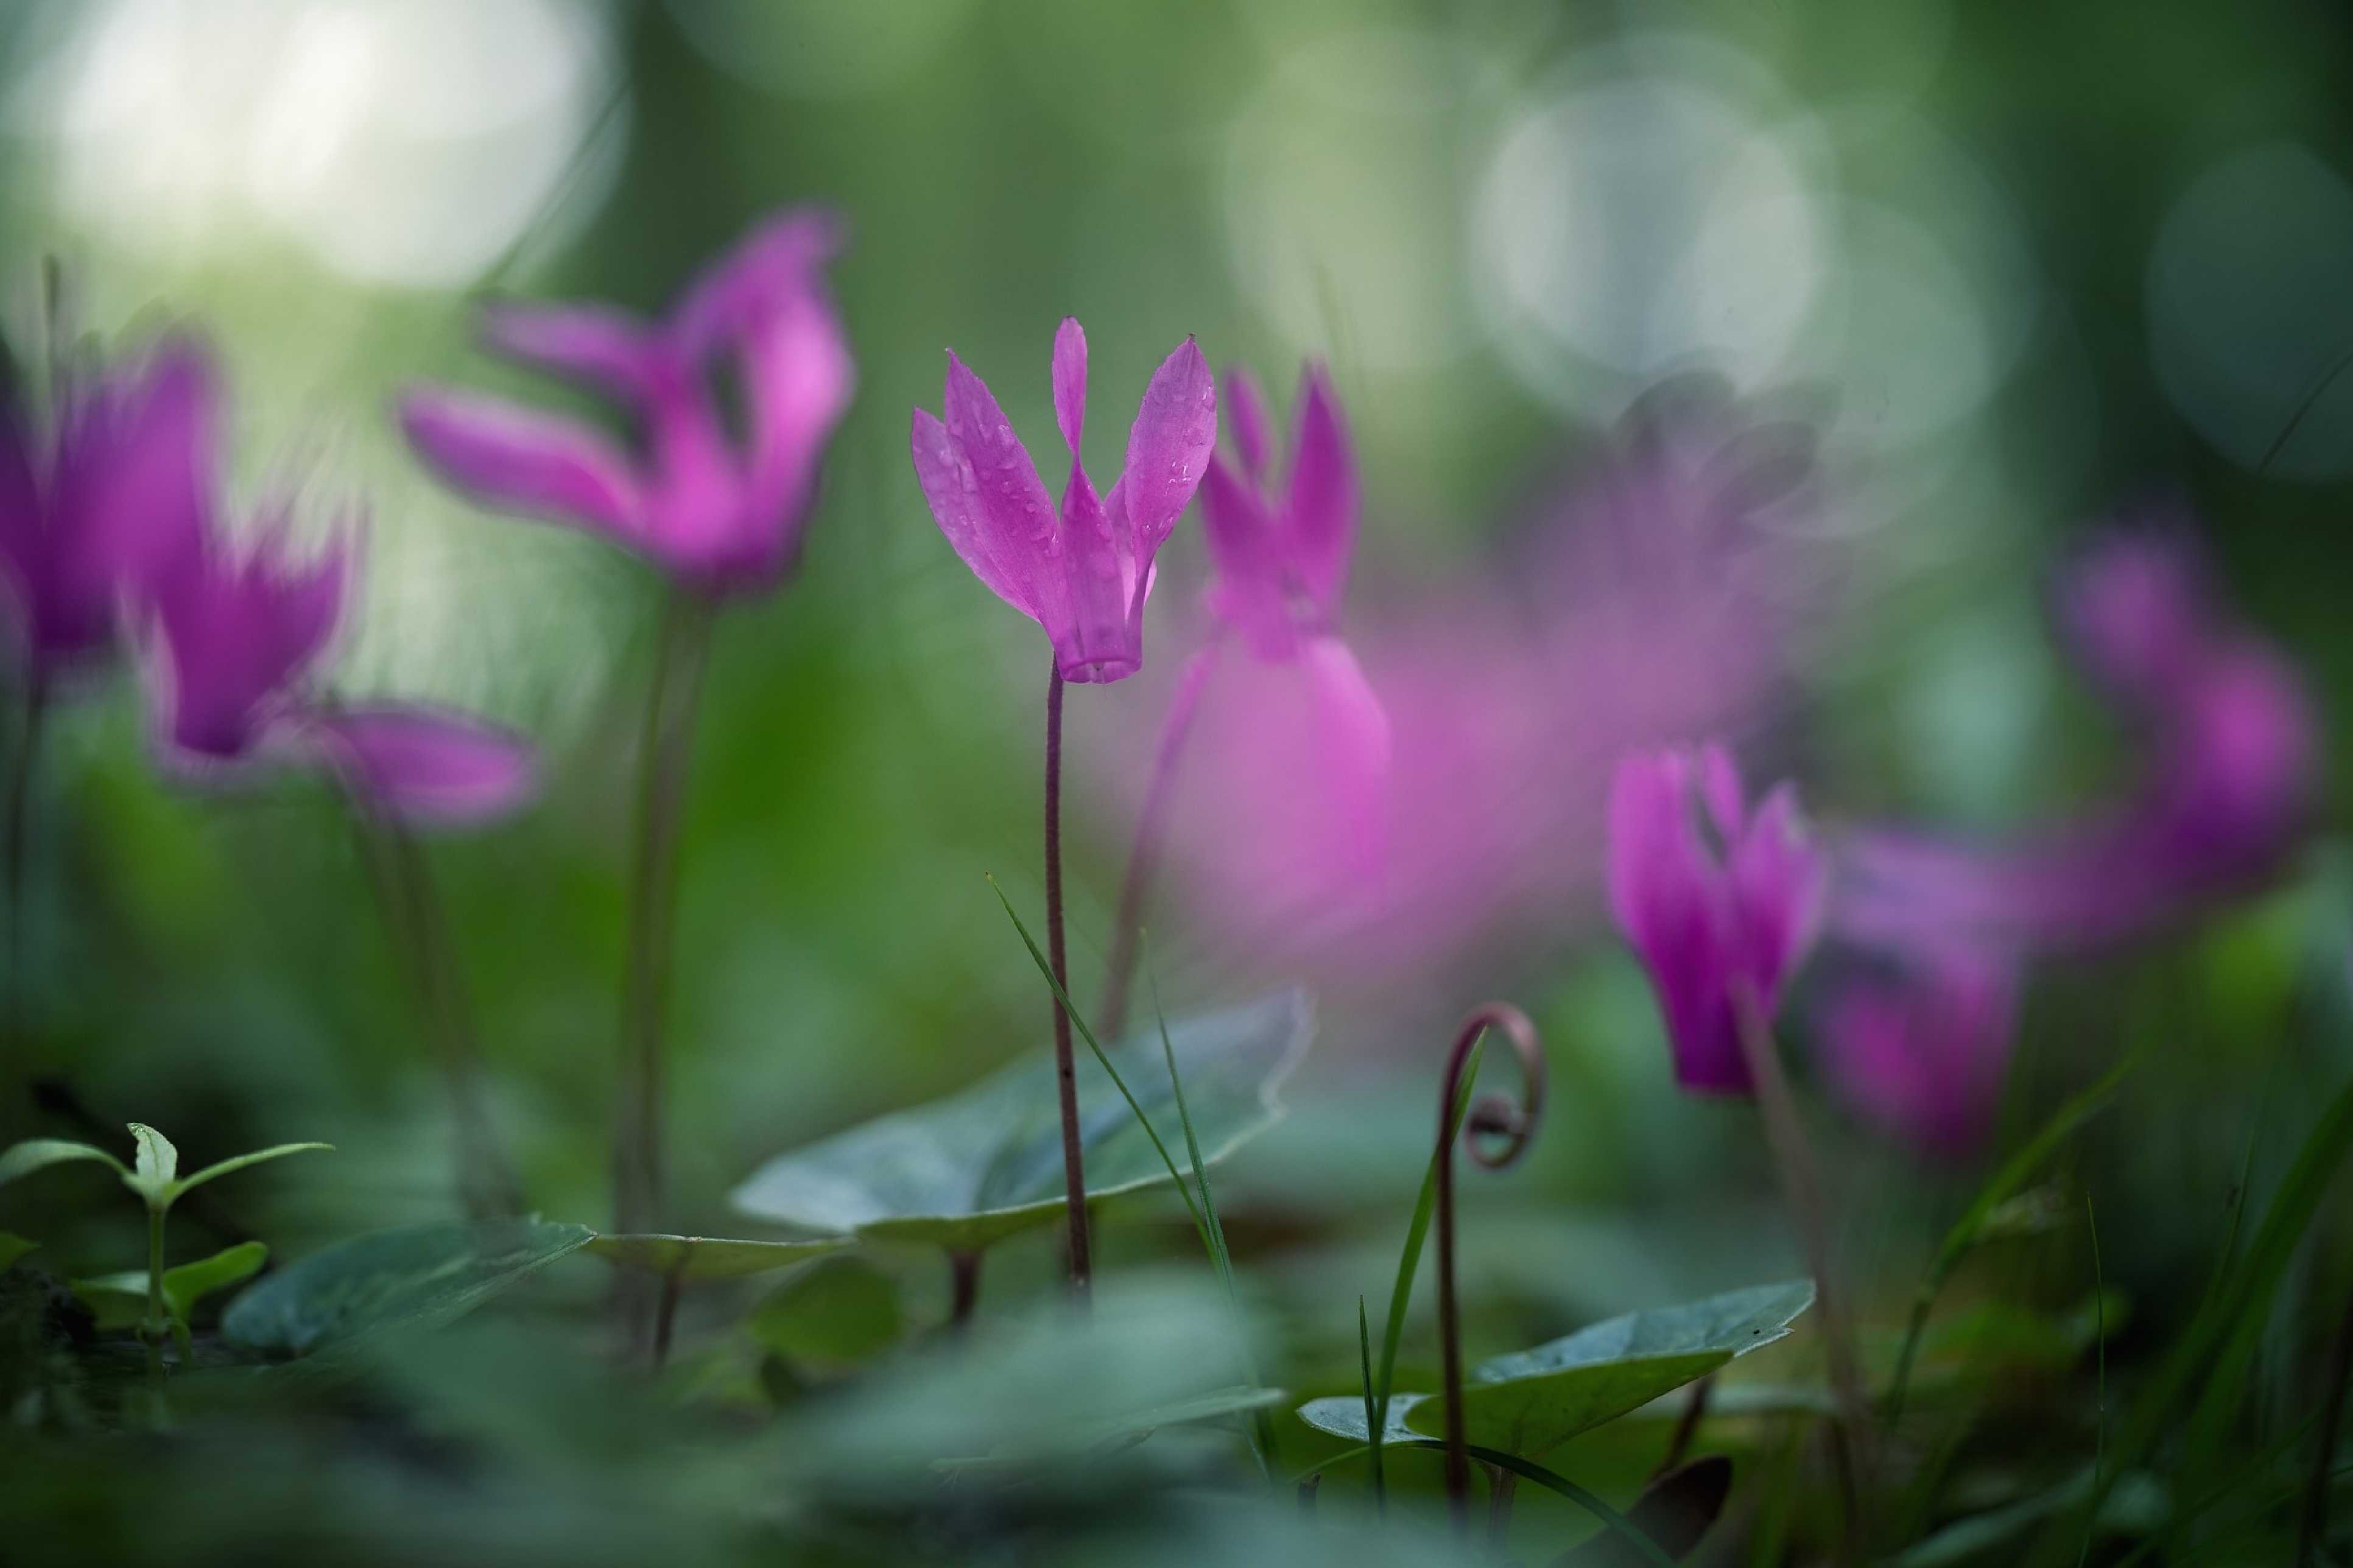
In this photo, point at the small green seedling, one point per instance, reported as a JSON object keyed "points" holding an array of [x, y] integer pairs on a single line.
{"points": [[154, 1176]]}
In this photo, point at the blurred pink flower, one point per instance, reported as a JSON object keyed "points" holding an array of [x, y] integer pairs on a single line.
{"points": [[1083, 571], [2227, 797], [122, 485], [1720, 903], [235, 638], [1922, 1049], [1649, 598], [722, 515]]}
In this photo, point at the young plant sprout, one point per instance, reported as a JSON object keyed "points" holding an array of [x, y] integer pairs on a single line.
{"points": [[153, 1176]]}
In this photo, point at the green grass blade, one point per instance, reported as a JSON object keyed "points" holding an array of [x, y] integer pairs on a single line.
{"points": [[2220, 1333], [1080, 1023], [1372, 1425], [2100, 1342], [2005, 1181]]}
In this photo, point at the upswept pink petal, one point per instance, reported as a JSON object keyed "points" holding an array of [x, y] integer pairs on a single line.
{"points": [[428, 767], [235, 636], [1717, 780], [779, 258], [519, 460], [1168, 448], [801, 377], [1247, 593], [2136, 605], [131, 487], [1245, 412], [1779, 880], [954, 492], [1922, 1051], [1013, 504], [1323, 505], [1101, 639], [1070, 382], [609, 349], [1355, 730]]}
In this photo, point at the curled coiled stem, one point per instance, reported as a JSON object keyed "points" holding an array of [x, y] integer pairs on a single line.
{"points": [[1495, 1129]]}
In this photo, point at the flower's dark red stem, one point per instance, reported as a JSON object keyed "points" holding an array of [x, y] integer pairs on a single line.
{"points": [[1151, 827], [1801, 1189], [682, 642], [19, 809], [1066, 1077], [964, 1287], [1494, 1132], [666, 1311]]}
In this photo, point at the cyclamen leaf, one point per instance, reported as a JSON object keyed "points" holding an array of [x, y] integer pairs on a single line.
{"points": [[970, 1170], [693, 1258], [1533, 1400], [415, 1277]]}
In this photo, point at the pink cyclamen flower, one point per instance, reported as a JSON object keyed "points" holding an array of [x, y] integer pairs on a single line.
{"points": [[1282, 563], [1083, 570], [1921, 1049], [235, 638], [121, 486], [721, 514], [1720, 903]]}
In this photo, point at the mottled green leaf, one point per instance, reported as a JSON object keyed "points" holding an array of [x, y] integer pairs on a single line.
{"points": [[1533, 1400], [415, 1277], [968, 1171], [694, 1257]]}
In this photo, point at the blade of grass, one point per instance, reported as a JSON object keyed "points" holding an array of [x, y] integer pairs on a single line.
{"points": [[1204, 1223], [2008, 1179], [1409, 1261], [1078, 1023], [1222, 1254], [2216, 1335], [1365, 1362], [2100, 1341], [1610, 1518]]}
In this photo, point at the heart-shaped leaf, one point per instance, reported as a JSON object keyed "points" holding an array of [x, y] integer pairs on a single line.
{"points": [[697, 1257], [966, 1171], [1531, 1401], [415, 1277], [119, 1300]]}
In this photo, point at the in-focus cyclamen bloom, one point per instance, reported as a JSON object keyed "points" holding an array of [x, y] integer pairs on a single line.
{"points": [[235, 638], [121, 486], [722, 515], [1082, 571], [1720, 903]]}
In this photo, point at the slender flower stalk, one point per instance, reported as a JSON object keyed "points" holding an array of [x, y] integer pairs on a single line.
{"points": [[17, 826], [1801, 1189], [1066, 1080], [402, 883], [1151, 831], [1490, 1118], [682, 640]]}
